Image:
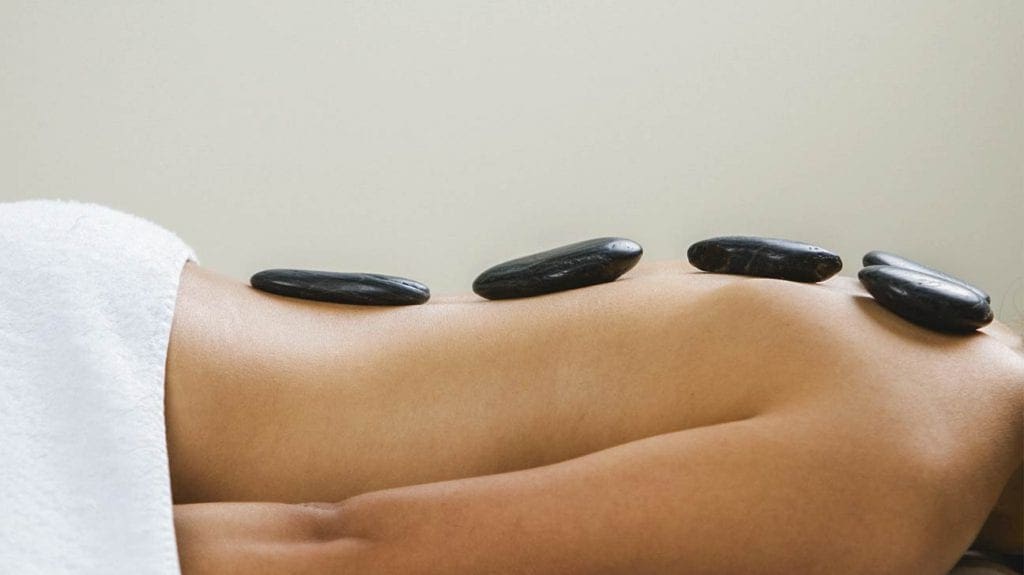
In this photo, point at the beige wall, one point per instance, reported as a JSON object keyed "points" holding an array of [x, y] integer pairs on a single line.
{"points": [[431, 139]]}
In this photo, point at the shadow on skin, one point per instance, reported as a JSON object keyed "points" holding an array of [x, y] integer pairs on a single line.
{"points": [[978, 564], [909, 331]]}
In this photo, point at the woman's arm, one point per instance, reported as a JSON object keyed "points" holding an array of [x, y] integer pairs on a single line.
{"points": [[257, 538], [794, 491], [777, 493]]}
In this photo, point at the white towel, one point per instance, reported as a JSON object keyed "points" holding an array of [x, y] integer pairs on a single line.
{"points": [[87, 296]]}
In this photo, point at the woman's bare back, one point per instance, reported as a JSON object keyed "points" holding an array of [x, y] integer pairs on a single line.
{"points": [[271, 399]]}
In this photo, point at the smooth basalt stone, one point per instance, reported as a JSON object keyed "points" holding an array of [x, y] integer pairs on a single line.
{"points": [[764, 257], [880, 258], [926, 300], [336, 287], [564, 268]]}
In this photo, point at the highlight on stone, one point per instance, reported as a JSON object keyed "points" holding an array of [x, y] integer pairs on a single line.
{"points": [[338, 287], [876, 258], [926, 300], [764, 257], [572, 266]]}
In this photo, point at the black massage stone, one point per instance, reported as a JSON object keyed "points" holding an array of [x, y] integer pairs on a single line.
{"points": [[764, 257], [926, 300], [335, 287], [564, 268], [878, 258]]}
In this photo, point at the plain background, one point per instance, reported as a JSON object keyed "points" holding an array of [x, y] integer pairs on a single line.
{"points": [[433, 139]]}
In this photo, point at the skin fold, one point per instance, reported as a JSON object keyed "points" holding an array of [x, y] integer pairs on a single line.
{"points": [[672, 421]]}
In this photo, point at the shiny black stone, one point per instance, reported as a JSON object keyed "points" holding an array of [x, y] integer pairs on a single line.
{"points": [[878, 258], [335, 287], [764, 257], [926, 300], [568, 267]]}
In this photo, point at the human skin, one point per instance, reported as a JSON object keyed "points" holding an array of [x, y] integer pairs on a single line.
{"points": [[672, 421]]}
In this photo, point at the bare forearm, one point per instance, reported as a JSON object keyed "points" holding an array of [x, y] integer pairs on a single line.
{"points": [[761, 495], [264, 539], [813, 493]]}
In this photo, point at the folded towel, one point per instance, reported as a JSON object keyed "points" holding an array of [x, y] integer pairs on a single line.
{"points": [[87, 296]]}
